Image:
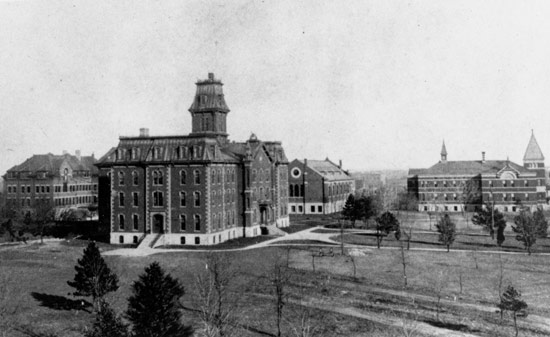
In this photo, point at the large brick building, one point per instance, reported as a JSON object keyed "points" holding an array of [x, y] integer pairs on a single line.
{"points": [[467, 185], [61, 181], [318, 186], [197, 189]]}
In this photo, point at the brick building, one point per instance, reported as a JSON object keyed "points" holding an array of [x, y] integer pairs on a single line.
{"points": [[196, 189], [467, 185], [318, 187], [61, 181]]}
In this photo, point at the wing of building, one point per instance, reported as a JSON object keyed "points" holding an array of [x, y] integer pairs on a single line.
{"points": [[197, 189], [467, 185], [60, 181], [318, 186]]}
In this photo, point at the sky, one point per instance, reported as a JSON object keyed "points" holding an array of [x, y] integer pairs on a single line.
{"points": [[377, 84]]}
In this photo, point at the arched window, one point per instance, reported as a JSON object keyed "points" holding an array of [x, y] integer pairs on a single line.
{"points": [[197, 177], [183, 222], [121, 221], [158, 178], [291, 190], [197, 219], [135, 178], [253, 175], [183, 199], [120, 178], [219, 176], [197, 198], [297, 190], [183, 177]]}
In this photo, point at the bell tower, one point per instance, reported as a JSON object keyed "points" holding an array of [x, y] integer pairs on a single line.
{"points": [[209, 110]]}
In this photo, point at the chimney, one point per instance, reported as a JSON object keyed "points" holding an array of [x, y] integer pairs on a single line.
{"points": [[77, 154], [483, 157], [144, 132], [305, 162], [211, 76], [340, 164]]}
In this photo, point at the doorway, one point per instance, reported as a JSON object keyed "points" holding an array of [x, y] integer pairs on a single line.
{"points": [[158, 224]]}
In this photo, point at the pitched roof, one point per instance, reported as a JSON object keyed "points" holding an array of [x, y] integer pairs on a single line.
{"points": [[52, 163], [468, 168], [327, 169], [533, 152]]}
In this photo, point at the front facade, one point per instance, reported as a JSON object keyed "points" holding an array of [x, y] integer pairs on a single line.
{"points": [[196, 189], [60, 181], [318, 187], [455, 186]]}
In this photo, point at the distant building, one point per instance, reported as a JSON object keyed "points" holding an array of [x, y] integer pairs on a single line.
{"points": [[61, 181], [196, 189], [466, 185], [318, 187]]}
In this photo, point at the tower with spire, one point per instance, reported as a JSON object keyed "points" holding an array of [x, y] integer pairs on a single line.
{"points": [[443, 153], [533, 159]]}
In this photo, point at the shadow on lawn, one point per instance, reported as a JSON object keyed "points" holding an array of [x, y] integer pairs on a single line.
{"points": [[450, 326], [60, 302]]}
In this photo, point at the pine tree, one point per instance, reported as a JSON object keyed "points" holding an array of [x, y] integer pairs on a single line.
{"points": [[491, 219], [93, 276], [447, 231], [541, 223], [511, 301], [386, 223], [107, 324], [349, 211], [526, 230], [154, 308]]}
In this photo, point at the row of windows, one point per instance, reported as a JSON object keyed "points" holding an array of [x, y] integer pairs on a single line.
{"points": [[261, 175], [158, 199], [135, 239], [181, 152], [503, 196], [183, 222], [86, 199], [217, 176], [491, 183], [27, 189], [297, 190], [312, 209], [158, 178]]}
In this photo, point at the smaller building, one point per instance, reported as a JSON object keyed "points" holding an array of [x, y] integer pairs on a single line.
{"points": [[318, 186], [60, 181]]}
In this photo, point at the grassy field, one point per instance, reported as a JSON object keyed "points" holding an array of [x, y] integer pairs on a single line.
{"points": [[337, 301]]}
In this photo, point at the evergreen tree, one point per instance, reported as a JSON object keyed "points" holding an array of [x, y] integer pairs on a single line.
{"points": [[491, 220], [107, 324], [93, 276], [447, 231], [349, 212], [511, 301], [154, 308], [386, 223]]}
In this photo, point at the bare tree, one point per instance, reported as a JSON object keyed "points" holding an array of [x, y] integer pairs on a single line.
{"points": [[218, 306], [279, 277], [404, 264], [439, 285], [305, 326]]}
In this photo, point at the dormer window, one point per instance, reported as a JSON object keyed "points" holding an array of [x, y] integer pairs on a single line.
{"points": [[156, 153], [203, 99]]}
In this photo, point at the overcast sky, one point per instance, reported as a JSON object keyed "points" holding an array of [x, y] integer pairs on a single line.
{"points": [[378, 84]]}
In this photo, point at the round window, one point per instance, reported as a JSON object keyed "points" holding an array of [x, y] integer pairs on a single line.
{"points": [[296, 172]]}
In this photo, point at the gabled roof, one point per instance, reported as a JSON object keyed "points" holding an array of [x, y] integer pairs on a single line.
{"points": [[327, 169], [52, 163], [468, 168], [533, 151]]}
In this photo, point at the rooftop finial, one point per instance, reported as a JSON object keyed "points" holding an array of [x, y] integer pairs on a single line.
{"points": [[443, 152]]}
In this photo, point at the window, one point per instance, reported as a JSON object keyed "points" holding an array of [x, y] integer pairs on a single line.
{"points": [[197, 197], [253, 175], [121, 199], [219, 176], [183, 220], [197, 240], [293, 209], [47, 189], [157, 177], [197, 222], [135, 221], [121, 178], [183, 177], [121, 239], [156, 153], [135, 178], [526, 182], [312, 209], [158, 199], [300, 209], [197, 177], [183, 198], [135, 198], [135, 239], [182, 240], [319, 209], [456, 208], [121, 221], [37, 190]]}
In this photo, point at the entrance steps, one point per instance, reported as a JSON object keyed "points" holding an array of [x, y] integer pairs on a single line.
{"points": [[149, 241], [274, 230]]}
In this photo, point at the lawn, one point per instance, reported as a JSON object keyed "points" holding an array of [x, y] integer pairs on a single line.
{"points": [[463, 241], [36, 276]]}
